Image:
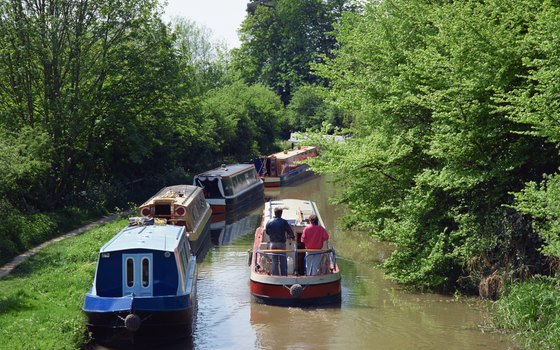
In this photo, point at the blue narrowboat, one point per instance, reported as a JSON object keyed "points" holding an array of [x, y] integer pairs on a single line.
{"points": [[144, 290]]}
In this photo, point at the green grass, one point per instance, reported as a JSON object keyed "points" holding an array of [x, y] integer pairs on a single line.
{"points": [[40, 302], [532, 311]]}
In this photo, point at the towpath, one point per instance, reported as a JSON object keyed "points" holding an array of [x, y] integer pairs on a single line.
{"points": [[6, 269]]}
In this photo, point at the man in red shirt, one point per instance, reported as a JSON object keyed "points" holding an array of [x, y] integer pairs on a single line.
{"points": [[313, 237]]}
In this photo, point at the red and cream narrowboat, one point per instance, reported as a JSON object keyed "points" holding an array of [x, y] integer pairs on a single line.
{"points": [[281, 168], [182, 205], [296, 288]]}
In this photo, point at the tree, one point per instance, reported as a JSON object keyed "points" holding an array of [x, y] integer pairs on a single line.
{"points": [[535, 104], [209, 61], [309, 109], [81, 76], [246, 119], [281, 39]]}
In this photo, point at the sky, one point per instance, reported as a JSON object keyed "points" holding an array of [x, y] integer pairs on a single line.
{"points": [[222, 17]]}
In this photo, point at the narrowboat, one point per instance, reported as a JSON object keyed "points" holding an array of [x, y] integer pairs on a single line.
{"points": [[182, 205], [144, 289], [231, 189], [281, 168], [298, 287]]}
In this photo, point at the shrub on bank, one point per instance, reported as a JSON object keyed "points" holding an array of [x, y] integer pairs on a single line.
{"points": [[532, 311], [22, 231]]}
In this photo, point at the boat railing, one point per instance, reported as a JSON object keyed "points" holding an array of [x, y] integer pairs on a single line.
{"points": [[315, 261]]}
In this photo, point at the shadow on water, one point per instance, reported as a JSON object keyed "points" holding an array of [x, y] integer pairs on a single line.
{"points": [[185, 344], [205, 246], [224, 232]]}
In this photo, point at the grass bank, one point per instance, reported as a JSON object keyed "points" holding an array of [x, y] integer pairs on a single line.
{"points": [[531, 310], [40, 302]]}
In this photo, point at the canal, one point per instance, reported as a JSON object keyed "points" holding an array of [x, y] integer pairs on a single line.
{"points": [[374, 314]]}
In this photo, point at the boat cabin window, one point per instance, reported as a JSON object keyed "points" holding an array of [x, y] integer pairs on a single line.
{"points": [[210, 186], [162, 209], [183, 258], [244, 180], [200, 205], [145, 272], [130, 272], [228, 186]]}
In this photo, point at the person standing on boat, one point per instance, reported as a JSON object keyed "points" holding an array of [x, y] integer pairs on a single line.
{"points": [[314, 236], [278, 230]]}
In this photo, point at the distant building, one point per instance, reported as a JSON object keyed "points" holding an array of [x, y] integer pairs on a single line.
{"points": [[297, 137]]}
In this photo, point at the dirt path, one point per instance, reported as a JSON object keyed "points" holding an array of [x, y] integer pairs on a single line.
{"points": [[6, 269]]}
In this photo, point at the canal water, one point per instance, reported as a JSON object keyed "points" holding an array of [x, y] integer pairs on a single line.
{"points": [[374, 314]]}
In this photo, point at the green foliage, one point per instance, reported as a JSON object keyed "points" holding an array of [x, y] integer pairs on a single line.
{"points": [[541, 202], [532, 311], [308, 109], [112, 93], [42, 310], [24, 165], [281, 39], [436, 149], [245, 118], [535, 102]]}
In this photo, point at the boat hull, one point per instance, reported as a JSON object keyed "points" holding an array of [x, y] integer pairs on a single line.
{"points": [[200, 238], [298, 173], [281, 293], [158, 328], [154, 324]]}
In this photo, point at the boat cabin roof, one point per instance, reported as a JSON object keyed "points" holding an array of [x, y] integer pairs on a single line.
{"points": [[292, 152], [226, 170], [152, 237], [180, 194], [295, 211]]}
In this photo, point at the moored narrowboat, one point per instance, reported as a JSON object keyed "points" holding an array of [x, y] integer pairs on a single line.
{"points": [[231, 189], [182, 205], [298, 287], [281, 168], [144, 290]]}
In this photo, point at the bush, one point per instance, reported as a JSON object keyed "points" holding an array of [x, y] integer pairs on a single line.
{"points": [[22, 231]]}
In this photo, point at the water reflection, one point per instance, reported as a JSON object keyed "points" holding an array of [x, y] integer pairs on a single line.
{"points": [[223, 232], [279, 327]]}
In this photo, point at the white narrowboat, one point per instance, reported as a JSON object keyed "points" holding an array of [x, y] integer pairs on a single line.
{"points": [[231, 189], [298, 287]]}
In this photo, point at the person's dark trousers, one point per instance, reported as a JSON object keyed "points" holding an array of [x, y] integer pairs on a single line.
{"points": [[279, 260]]}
